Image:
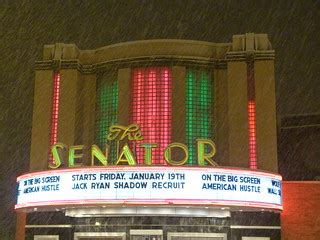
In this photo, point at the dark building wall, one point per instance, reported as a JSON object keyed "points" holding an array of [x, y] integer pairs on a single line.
{"points": [[298, 148]]}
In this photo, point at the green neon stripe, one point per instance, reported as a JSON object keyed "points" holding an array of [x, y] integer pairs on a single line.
{"points": [[199, 109], [106, 111]]}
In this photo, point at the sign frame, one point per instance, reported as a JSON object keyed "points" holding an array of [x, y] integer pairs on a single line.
{"points": [[236, 204]]}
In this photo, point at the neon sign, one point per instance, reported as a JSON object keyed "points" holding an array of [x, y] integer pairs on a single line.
{"points": [[206, 150]]}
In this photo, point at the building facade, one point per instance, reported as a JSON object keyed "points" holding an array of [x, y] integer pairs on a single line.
{"points": [[172, 107]]}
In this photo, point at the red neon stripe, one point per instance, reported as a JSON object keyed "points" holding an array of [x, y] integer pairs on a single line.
{"points": [[151, 109], [54, 113], [253, 158], [253, 164]]}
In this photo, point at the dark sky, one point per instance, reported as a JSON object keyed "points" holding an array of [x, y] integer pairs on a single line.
{"points": [[25, 26]]}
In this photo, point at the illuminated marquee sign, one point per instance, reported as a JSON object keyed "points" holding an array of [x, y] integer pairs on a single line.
{"points": [[125, 185], [126, 156]]}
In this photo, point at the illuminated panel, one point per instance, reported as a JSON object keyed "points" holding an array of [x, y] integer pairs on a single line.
{"points": [[106, 111], [200, 186], [252, 135], [199, 109], [253, 162], [151, 109], [54, 113]]}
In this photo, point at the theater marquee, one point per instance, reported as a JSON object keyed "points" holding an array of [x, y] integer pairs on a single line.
{"points": [[150, 185]]}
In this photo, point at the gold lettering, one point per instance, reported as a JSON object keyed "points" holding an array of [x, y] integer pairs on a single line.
{"points": [[73, 155], [148, 152], [126, 156], [96, 153], [167, 154], [202, 155], [206, 151], [55, 154], [119, 132]]}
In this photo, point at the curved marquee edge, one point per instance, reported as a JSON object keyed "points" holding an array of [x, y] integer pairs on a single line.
{"points": [[187, 202], [151, 202]]}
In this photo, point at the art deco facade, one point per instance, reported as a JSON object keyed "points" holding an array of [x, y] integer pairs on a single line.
{"points": [[176, 91]]}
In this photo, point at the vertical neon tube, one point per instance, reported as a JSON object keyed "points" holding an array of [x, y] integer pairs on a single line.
{"points": [[190, 105], [137, 107], [151, 109], [54, 113], [199, 109], [165, 110], [107, 110], [253, 161]]}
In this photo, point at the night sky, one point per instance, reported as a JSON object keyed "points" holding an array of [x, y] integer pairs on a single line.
{"points": [[25, 26]]}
